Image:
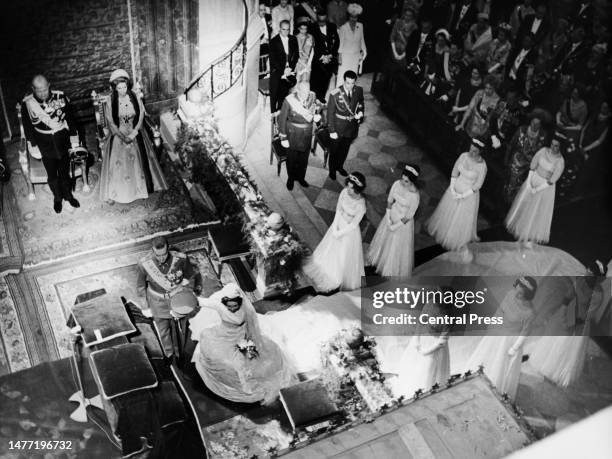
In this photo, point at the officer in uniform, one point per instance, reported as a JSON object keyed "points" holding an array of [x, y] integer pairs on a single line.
{"points": [[296, 125], [344, 114], [49, 124], [163, 276]]}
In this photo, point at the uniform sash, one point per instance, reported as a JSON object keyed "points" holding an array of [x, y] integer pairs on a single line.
{"points": [[158, 277], [298, 107]]}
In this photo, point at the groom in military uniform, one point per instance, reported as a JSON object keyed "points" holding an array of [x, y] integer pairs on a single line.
{"points": [[161, 275], [49, 125], [344, 114], [295, 124]]}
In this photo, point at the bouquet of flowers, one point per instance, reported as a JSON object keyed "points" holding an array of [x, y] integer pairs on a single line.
{"points": [[247, 347]]}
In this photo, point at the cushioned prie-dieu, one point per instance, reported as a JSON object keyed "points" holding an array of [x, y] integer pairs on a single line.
{"points": [[122, 369]]}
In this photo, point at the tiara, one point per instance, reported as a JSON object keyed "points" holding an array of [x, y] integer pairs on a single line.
{"points": [[355, 180], [412, 169]]}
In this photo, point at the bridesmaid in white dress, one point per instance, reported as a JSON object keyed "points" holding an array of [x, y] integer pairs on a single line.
{"points": [[561, 358], [530, 216], [454, 222], [426, 360], [352, 51], [392, 248], [337, 262], [130, 169], [502, 356]]}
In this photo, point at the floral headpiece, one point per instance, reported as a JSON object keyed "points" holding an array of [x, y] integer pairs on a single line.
{"points": [[412, 169]]}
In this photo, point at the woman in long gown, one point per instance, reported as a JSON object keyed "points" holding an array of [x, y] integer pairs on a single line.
{"points": [[561, 357], [306, 50], [402, 36], [337, 262], [476, 118], [454, 222], [392, 248], [530, 216], [352, 51], [226, 323], [521, 150], [426, 360], [501, 356], [130, 169]]}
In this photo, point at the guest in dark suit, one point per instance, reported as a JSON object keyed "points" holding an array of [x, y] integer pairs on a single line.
{"points": [[325, 59], [464, 15], [535, 24], [520, 64], [582, 16], [266, 20], [284, 54], [345, 109], [575, 54]]}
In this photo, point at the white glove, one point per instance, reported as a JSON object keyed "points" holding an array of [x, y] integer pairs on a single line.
{"points": [[388, 217], [495, 142], [317, 118], [147, 312], [358, 115], [452, 188], [467, 193], [333, 135], [74, 141], [444, 98], [285, 143]]}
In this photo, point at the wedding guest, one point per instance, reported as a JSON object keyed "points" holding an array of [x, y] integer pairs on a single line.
{"points": [[477, 40], [530, 216], [337, 12], [465, 92], [535, 25], [528, 140], [345, 108], [506, 118], [521, 63], [392, 248], [438, 75], [572, 115], [573, 56], [306, 52], [337, 262], [282, 12], [454, 222], [499, 50], [501, 354], [476, 118], [464, 15], [424, 50], [284, 54], [404, 37], [295, 125], [325, 59], [234, 358], [519, 13], [266, 20], [352, 51], [130, 169], [49, 124]]}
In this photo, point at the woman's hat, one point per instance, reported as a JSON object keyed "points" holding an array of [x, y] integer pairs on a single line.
{"points": [[444, 33], [119, 73], [354, 9]]}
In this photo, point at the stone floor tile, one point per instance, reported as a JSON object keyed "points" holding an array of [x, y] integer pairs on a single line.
{"points": [[327, 200]]}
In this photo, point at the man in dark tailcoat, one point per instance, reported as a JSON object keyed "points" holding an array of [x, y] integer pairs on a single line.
{"points": [[49, 125], [295, 126], [345, 109], [325, 58], [284, 54]]}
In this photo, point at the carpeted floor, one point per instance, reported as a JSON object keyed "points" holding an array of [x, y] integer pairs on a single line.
{"points": [[36, 302], [46, 236]]}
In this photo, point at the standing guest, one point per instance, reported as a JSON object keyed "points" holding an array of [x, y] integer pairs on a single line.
{"points": [[130, 169], [453, 223], [325, 59], [478, 39], [352, 51], [591, 74], [161, 275], [519, 13], [337, 12], [506, 118], [593, 141], [465, 93], [49, 125], [392, 248], [572, 115], [558, 38], [295, 125], [476, 118], [464, 15], [284, 54], [521, 63], [499, 50], [572, 58], [439, 12], [502, 355], [424, 50], [528, 140], [306, 52], [337, 262], [438, 76], [404, 37], [345, 109], [266, 20], [583, 14], [530, 216], [535, 25], [282, 12]]}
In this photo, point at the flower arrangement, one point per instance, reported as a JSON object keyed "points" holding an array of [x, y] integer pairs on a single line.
{"points": [[213, 163], [247, 347]]}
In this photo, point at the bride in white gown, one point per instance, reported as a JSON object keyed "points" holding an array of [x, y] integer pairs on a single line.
{"points": [[226, 322]]}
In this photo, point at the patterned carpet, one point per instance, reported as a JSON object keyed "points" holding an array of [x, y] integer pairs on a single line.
{"points": [[380, 152], [36, 303]]}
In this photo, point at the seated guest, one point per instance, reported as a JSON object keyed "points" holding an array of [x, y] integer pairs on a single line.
{"points": [[282, 12], [465, 92], [130, 169], [404, 37], [499, 50], [477, 40], [426, 39], [535, 25], [572, 115], [235, 360], [437, 71], [521, 63], [476, 118]]}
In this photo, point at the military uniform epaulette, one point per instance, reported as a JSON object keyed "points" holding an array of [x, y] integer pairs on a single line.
{"points": [[28, 97]]}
